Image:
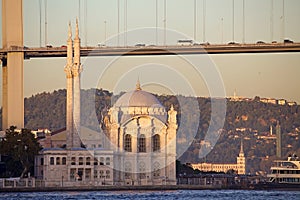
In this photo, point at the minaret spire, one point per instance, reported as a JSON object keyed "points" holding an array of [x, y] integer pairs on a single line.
{"points": [[70, 32], [77, 30], [69, 48], [69, 76], [76, 71], [242, 148]]}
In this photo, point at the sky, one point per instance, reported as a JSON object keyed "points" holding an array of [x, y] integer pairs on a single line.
{"points": [[250, 75]]}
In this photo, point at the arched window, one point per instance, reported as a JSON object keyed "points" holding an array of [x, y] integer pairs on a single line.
{"points": [[155, 143], [142, 143], [51, 160], [57, 160], [88, 160], [64, 160], [127, 143], [80, 160]]}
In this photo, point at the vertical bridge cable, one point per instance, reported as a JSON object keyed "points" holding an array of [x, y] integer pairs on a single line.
{"points": [[283, 20], [46, 25], [243, 21], [203, 29], [125, 23], [118, 42], [195, 19], [156, 22], [271, 19], [40, 9], [232, 20], [85, 22], [165, 22]]}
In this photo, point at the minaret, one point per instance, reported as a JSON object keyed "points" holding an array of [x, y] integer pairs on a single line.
{"points": [[170, 148], [241, 154], [241, 161], [76, 70], [278, 140], [69, 76]]}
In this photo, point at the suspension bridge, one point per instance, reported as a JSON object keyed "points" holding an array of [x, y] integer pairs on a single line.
{"points": [[13, 52]]}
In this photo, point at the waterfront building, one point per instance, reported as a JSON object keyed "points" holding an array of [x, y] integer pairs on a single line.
{"points": [[142, 135], [239, 166], [65, 160], [139, 135]]}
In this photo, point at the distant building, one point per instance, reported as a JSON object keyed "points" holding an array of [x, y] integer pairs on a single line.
{"points": [[269, 100], [292, 103], [281, 101], [239, 167]]}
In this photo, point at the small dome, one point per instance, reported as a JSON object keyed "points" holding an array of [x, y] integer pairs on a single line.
{"points": [[138, 98]]}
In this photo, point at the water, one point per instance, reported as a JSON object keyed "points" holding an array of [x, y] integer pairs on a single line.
{"points": [[165, 195]]}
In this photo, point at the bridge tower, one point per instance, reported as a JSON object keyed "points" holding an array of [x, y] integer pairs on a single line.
{"points": [[12, 66]]}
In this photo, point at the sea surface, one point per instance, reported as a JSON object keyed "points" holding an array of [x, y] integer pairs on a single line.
{"points": [[165, 195]]}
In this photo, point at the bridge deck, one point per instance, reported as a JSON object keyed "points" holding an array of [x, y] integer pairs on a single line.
{"points": [[155, 50]]}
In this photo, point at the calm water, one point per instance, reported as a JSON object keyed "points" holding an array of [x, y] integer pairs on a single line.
{"points": [[165, 195]]}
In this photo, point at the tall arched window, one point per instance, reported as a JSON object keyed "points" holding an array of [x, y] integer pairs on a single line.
{"points": [[127, 143], [155, 143], [142, 143]]}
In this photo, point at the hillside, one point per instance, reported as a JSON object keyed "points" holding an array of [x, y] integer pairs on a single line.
{"points": [[248, 119]]}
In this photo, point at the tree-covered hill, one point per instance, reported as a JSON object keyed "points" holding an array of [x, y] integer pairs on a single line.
{"points": [[248, 119]]}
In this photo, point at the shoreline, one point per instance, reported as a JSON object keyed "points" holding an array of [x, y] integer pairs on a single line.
{"points": [[152, 188]]}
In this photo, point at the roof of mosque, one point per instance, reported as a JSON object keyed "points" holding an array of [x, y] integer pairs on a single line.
{"points": [[138, 98]]}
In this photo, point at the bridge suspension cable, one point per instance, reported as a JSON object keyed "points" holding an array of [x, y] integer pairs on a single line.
{"points": [[204, 14], [46, 24], [40, 12]]}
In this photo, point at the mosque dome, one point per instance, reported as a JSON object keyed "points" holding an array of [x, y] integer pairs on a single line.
{"points": [[138, 98]]}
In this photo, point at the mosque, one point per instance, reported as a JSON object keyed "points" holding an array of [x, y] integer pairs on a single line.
{"points": [[141, 134]]}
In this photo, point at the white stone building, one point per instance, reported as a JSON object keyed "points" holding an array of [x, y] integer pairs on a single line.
{"points": [[239, 166], [74, 165], [142, 135]]}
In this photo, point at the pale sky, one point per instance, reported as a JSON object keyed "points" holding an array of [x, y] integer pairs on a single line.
{"points": [[265, 75]]}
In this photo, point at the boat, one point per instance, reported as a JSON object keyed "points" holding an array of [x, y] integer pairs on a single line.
{"points": [[285, 171]]}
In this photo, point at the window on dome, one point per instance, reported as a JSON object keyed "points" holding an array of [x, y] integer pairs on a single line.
{"points": [[142, 143], [127, 144], [156, 143]]}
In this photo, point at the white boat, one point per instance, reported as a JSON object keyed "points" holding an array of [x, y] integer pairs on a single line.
{"points": [[285, 171]]}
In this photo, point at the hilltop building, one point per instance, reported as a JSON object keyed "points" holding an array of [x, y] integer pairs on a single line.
{"points": [[141, 134], [239, 167]]}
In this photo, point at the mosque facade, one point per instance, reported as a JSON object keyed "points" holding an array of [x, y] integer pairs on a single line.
{"points": [[141, 135]]}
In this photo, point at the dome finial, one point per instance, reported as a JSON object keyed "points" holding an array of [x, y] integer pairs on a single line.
{"points": [[172, 107], [138, 85]]}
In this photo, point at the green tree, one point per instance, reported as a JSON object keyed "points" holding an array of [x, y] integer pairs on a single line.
{"points": [[20, 149]]}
